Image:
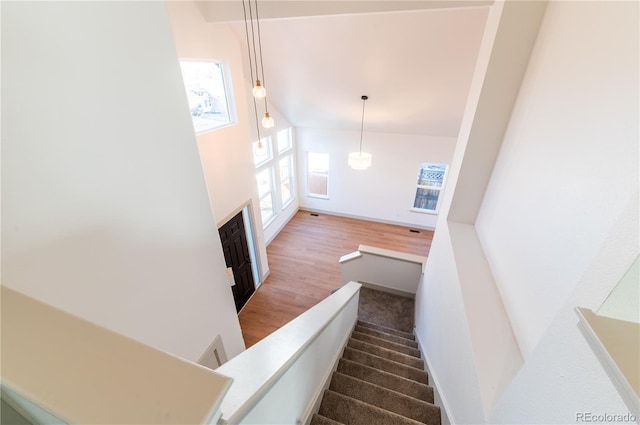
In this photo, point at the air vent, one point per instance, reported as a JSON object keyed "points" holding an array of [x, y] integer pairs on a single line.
{"points": [[414, 231], [314, 214]]}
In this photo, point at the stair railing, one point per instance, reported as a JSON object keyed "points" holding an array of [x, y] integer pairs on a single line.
{"points": [[281, 378]]}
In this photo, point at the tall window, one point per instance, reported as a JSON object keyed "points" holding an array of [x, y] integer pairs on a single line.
{"points": [[430, 183], [318, 174], [265, 193], [275, 174], [207, 94]]}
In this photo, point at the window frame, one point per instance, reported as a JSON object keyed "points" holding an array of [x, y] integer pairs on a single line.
{"points": [[227, 87], [309, 172], [290, 178], [439, 189], [269, 193], [275, 156]]}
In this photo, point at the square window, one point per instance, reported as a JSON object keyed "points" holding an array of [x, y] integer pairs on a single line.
{"points": [[206, 90]]}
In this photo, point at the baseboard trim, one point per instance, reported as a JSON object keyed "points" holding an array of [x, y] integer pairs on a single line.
{"points": [[388, 290], [445, 411], [282, 226], [360, 217]]}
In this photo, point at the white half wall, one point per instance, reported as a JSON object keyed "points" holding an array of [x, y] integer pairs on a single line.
{"points": [[384, 192], [568, 163], [105, 211]]}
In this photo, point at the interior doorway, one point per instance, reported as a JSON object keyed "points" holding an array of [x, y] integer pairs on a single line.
{"points": [[238, 257]]}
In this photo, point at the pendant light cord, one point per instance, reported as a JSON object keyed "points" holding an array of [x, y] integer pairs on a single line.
{"points": [[364, 99], [255, 107], [264, 84]]}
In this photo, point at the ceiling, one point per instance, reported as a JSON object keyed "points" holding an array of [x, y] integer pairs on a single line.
{"points": [[415, 65]]}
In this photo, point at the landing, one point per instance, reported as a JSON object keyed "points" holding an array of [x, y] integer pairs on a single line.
{"points": [[384, 309]]}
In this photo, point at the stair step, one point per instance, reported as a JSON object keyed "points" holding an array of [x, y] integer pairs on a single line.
{"points": [[384, 398], [386, 365], [350, 411], [388, 337], [385, 379], [384, 329], [385, 353], [400, 348], [322, 420]]}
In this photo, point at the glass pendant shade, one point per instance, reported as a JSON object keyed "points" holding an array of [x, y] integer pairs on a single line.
{"points": [[267, 121], [259, 92], [360, 160]]}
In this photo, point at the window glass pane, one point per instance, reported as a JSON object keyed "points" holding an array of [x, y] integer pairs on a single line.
{"points": [[431, 174], [286, 192], [206, 94], [284, 140], [262, 151], [266, 208], [426, 199], [264, 182], [285, 168], [318, 174]]}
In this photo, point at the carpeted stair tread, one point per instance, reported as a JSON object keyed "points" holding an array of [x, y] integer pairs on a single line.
{"points": [[384, 398], [386, 365], [388, 337], [385, 329], [322, 420], [385, 379], [400, 348], [350, 411], [385, 353]]}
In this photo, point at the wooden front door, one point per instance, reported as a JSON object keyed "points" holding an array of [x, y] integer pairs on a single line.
{"points": [[236, 255]]}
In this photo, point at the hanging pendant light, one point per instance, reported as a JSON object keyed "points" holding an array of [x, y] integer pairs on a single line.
{"points": [[360, 160], [267, 121], [259, 91]]}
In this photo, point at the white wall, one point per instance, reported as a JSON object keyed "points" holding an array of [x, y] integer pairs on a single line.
{"points": [[568, 163], [225, 153], [384, 192], [560, 376], [105, 210]]}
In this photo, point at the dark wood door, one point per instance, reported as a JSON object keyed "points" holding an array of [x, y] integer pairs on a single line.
{"points": [[236, 255]]}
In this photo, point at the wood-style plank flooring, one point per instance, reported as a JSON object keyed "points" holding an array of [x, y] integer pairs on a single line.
{"points": [[304, 268]]}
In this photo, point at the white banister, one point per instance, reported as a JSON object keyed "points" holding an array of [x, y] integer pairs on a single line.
{"points": [[280, 379]]}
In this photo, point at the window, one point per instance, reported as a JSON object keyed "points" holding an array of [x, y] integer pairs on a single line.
{"points": [[284, 140], [286, 179], [317, 174], [274, 161], [430, 182], [206, 94], [265, 193]]}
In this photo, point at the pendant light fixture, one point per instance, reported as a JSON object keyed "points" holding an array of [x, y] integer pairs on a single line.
{"points": [[360, 160], [259, 91]]}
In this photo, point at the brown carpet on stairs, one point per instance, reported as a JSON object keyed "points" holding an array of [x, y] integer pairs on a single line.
{"points": [[388, 310], [380, 379]]}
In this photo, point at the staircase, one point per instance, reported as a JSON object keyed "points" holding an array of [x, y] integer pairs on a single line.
{"points": [[380, 380]]}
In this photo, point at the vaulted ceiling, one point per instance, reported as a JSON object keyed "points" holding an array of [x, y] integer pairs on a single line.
{"points": [[415, 65]]}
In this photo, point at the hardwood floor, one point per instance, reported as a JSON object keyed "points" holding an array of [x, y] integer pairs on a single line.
{"points": [[304, 268]]}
